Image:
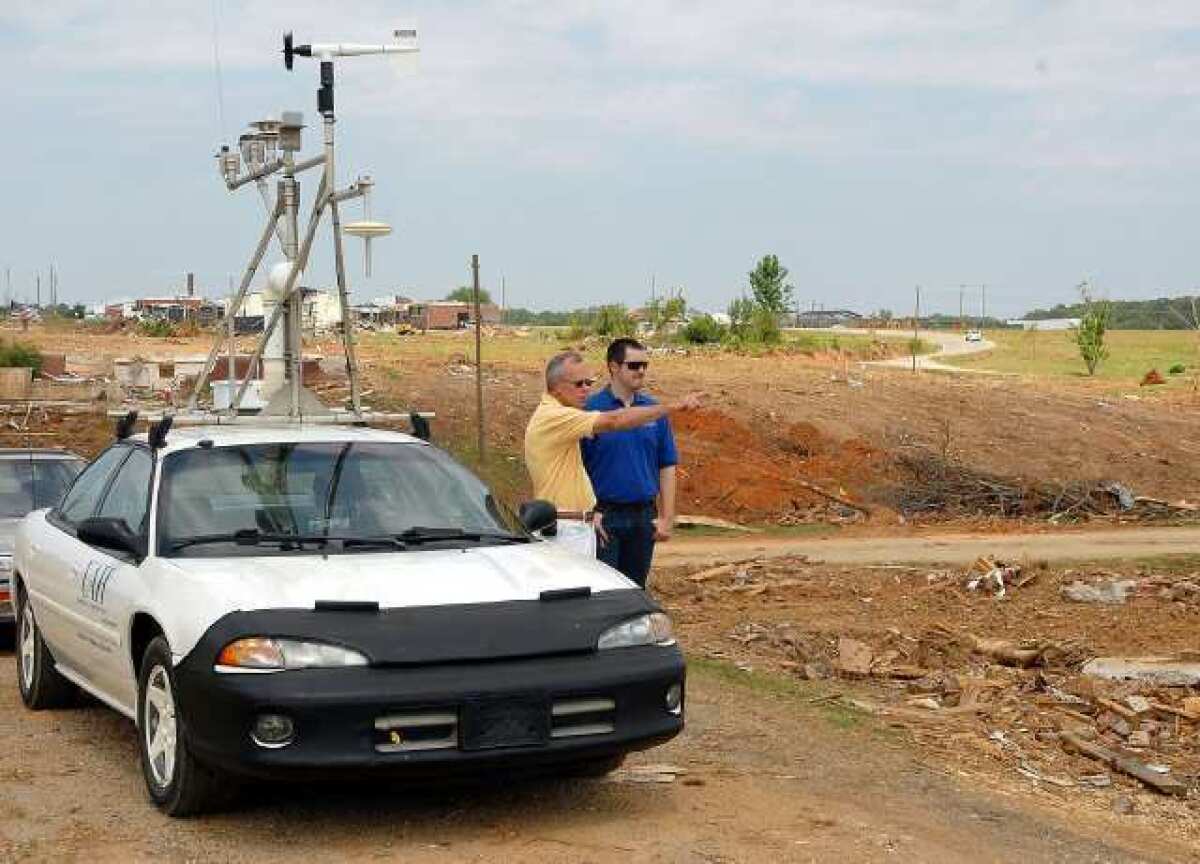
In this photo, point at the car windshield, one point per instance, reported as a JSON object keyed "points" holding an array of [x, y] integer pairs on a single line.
{"points": [[318, 498], [31, 483]]}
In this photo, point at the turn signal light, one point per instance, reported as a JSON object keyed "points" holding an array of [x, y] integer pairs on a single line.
{"points": [[252, 653]]}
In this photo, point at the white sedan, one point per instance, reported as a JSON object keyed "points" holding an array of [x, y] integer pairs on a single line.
{"points": [[291, 601]]}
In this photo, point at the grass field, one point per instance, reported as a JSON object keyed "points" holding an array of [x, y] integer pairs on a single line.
{"points": [[1132, 353], [531, 350]]}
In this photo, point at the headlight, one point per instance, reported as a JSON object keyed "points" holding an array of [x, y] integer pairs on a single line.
{"points": [[262, 654], [652, 629]]}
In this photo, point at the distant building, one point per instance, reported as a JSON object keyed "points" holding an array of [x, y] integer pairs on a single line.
{"points": [[187, 308], [322, 310], [1044, 323], [449, 314], [827, 318]]}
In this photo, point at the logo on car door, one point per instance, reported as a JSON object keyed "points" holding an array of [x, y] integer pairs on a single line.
{"points": [[94, 583]]}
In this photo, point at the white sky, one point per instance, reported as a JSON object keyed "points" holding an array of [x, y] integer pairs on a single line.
{"points": [[580, 148]]}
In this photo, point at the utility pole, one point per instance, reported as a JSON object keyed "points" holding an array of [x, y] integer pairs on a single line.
{"points": [[478, 358], [960, 307], [916, 328], [38, 282], [653, 287], [503, 295], [982, 306]]}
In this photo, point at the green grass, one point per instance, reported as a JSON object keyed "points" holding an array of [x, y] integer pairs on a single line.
{"points": [[806, 693], [1051, 353]]}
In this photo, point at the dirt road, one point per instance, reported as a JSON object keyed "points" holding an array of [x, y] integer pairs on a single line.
{"points": [[770, 777], [938, 548], [949, 345]]}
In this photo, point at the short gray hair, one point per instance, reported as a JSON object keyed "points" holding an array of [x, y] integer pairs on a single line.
{"points": [[554, 369]]}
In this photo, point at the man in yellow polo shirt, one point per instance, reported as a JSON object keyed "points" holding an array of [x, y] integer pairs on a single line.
{"points": [[559, 423]]}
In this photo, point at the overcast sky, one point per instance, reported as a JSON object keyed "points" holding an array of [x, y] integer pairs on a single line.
{"points": [[582, 148]]}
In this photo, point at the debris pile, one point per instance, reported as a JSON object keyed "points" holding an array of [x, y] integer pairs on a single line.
{"points": [[1000, 668], [935, 485]]}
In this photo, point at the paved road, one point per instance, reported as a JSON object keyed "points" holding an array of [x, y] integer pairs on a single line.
{"points": [[949, 345], [938, 548]]}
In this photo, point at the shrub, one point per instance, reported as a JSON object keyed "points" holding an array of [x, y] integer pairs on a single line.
{"points": [[1177, 369], [613, 321], [753, 324], [577, 331], [1089, 335], [704, 330], [20, 354], [156, 327]]}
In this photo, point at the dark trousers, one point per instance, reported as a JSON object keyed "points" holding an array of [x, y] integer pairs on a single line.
{"points": [[630, 544]]}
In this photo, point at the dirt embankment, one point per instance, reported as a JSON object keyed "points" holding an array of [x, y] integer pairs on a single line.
{"points": [[774, 426]]}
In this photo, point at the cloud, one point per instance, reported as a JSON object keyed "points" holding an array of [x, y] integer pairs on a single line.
{"points": [[1069, 84]]}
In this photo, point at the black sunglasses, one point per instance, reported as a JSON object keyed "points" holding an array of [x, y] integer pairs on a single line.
{"points": [[584, 382], [637, 365]]}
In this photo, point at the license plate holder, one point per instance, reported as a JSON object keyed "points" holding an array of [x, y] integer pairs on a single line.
{"points": [[490, 724]]}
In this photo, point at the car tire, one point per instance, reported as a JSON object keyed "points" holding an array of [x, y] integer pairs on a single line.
{"points": [[178, 784], [42, 686]]}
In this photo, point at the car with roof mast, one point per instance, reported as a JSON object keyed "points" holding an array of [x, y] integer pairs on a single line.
{"points": [[301, 601]]}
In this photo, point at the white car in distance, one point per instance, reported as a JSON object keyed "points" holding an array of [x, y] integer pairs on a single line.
{"points": [[305, 601]]}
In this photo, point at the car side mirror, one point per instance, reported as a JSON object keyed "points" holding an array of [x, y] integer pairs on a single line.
{"points": [[110, 533], [538, 515]]}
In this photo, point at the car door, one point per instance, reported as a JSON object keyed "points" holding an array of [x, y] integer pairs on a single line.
{"points": [[110, 582], [57, 560]]}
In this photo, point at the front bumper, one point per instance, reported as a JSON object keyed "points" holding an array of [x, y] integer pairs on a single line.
{"points": [[436, 719]]}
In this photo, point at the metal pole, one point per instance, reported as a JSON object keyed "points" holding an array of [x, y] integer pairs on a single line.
{"points": [[293, 276], [236, 304], [960, 307], [340, 266], [983, 307], [916, 326], [478, 357], [289, 193]]}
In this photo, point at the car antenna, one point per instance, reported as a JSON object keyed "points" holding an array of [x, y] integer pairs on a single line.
{"points": [[157, 436], [125, 425]]}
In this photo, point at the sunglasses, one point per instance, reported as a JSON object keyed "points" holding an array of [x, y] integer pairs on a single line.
{"points": [[637, 365], [584, 382]]}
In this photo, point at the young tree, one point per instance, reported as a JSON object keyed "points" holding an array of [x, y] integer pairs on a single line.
{"points": [[466, 294], [1089, 335], [769, 285]]}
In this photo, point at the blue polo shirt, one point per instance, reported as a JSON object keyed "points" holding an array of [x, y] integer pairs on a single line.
{"points": [[624, 466]]}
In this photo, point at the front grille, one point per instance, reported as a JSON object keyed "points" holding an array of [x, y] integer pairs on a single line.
{"points": [[572, 718], [489, 724], [411, 733]]}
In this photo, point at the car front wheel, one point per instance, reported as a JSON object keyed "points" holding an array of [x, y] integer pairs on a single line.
{"points": [[178, 784], [41, 685]]}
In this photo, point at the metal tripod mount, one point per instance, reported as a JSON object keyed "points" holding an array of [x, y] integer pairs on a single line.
{"points": [[269, 150]]}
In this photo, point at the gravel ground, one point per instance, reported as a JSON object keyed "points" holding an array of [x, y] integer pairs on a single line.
{"points": [[768, 776]]}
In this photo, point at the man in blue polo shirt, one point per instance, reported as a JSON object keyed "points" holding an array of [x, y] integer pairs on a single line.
{"points": [[632, 471]]}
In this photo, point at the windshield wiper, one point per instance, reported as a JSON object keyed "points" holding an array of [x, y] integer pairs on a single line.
{"points": [[432, 535], [366, 542], [249, 537]]}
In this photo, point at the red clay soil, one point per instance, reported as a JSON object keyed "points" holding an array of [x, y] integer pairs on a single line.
{"points": [[736, 471]]}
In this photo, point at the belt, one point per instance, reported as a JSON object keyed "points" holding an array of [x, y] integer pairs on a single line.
{"points": [[625, 506]]}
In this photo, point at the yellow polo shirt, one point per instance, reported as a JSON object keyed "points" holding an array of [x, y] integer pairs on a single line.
{"points": [[552, 454]]}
